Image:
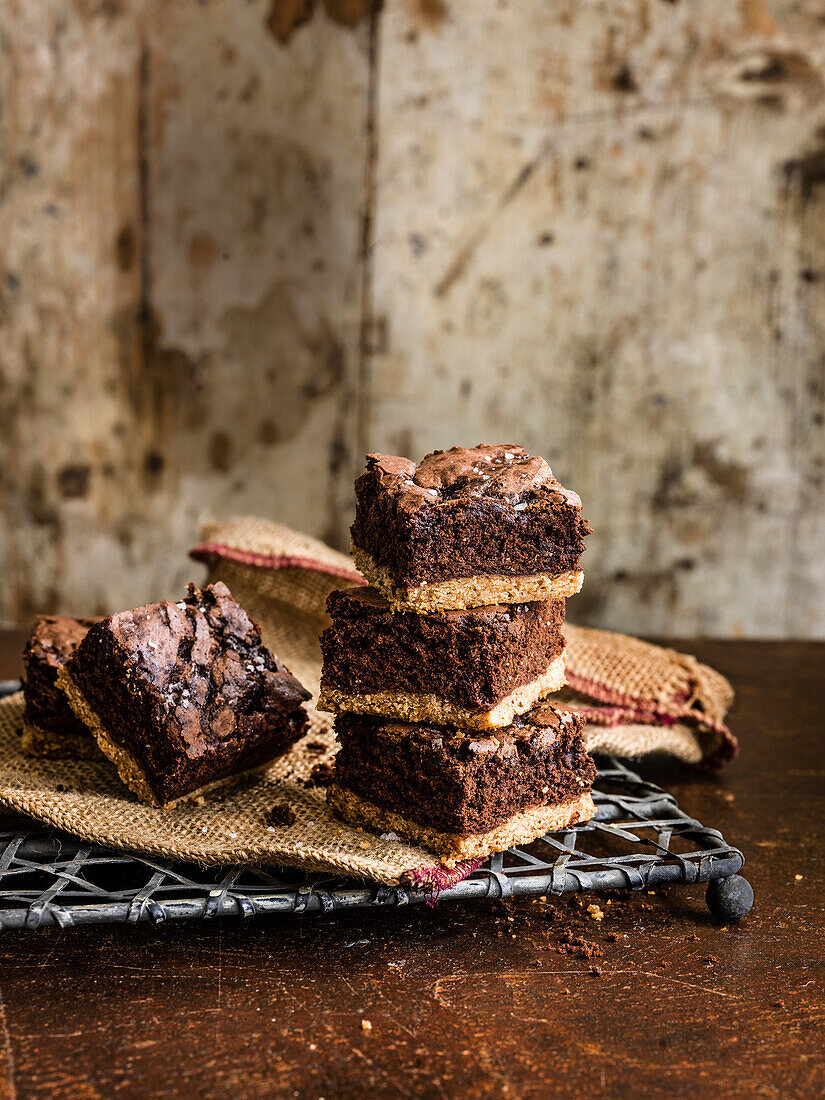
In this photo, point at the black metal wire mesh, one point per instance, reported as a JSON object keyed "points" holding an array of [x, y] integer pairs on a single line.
{"points": [[639, 838]]}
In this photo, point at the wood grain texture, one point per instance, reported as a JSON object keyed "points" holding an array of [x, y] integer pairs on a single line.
{"points": [[473, 1001], [240, 244]]}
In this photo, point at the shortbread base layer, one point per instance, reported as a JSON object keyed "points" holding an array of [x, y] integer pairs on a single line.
{"points": [[521, 828], [465, 592], [38, 741], [128, 769], [415, 707]]}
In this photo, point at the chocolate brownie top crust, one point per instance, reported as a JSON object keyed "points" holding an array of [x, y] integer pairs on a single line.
{"points": [[204, 658], [504, 472], [463, 781], [473, 658], [53, 640], [189, 689], [466, 511]]}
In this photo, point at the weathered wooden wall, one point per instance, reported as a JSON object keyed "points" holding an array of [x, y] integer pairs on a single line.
{"points": [[240, 243]]}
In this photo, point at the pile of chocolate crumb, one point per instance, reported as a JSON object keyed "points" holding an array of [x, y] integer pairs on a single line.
{"points": [[280, 815], [320, 776]]}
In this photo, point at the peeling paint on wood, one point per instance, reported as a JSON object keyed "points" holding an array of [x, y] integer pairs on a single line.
{"points": [[285, 16], [240, 244]]}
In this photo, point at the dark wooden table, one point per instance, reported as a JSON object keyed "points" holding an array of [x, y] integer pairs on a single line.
{"points": [[474, 1000]]}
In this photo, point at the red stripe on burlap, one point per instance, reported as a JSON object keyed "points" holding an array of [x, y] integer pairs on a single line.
{"points": [[432, 880], [206, 550], [622, 709]]}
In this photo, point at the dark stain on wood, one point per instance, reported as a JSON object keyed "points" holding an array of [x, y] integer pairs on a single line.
{"points": [[202, 250], [776, 68], [125, 248], [27, 166], [160, 382], [38, 501], [339, 458], [349, 13], [73, 481], [220, 451], [731, 477], [153, 462], [268, 432], [623, 79], [285, 16], [431, 13], [806, 172]]}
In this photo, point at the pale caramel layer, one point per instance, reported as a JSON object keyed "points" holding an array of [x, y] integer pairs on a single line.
{"points": [[465, 592], [38, 741], [521, 828], [415, 707]]}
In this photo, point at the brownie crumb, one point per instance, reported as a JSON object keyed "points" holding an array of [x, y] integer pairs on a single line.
{"points": [[596, 971], [320, 776], [280, 814], [315, 748], [578, 947]]}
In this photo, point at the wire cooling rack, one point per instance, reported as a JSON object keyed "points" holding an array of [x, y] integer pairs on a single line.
{"points": [[639, 838]]}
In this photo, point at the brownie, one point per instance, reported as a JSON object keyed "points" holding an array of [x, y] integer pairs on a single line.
{"points": [[50, 727], [463, 783], [184, 696], [383, 661], [482, 512]]}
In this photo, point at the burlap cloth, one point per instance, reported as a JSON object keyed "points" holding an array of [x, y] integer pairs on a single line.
{"points": [[637, 699]]}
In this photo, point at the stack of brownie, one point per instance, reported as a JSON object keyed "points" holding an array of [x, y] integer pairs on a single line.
{"points": [[182, 697], [437, 671]]}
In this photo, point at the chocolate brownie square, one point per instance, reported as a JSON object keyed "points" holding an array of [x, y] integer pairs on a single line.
{"points": [[184, 697], [476, 668], [466, 528], [50, 728], [459, 793]]}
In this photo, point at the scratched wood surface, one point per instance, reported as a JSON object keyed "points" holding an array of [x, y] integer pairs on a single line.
{"points": [[240, 244], [472, 1001]]}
